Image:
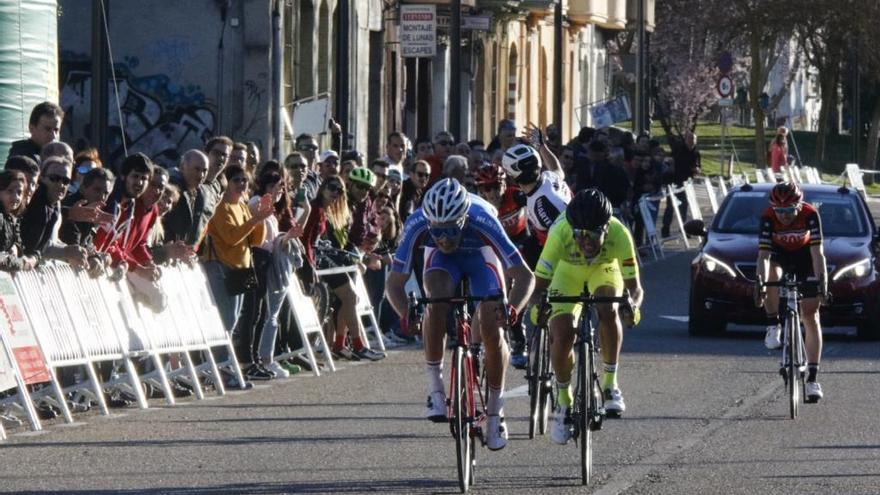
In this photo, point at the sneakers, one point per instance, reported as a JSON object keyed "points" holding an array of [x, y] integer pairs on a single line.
{"points": [[771, 340], [614, 405], [344, 353], [435, 409], [257, 372], [369, 354], [560, 426], [231, 381], [291, 367], [813, 392], [275, 367], [495, 432], [518, 357]]}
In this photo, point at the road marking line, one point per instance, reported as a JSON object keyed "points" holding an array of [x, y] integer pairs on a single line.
{"points": [[682, 319]]}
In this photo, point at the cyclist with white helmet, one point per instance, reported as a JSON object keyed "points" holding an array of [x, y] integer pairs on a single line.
{"points": [[547, 194], [462, 237]]}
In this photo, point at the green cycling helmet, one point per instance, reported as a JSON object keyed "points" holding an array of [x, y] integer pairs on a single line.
{"points": [[362, 175]]}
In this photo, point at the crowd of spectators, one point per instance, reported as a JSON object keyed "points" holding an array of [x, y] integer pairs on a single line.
{"points": [[259, 226]]}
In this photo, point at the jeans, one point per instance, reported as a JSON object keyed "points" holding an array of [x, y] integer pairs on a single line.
{"points": [[667, 214], [228, 305], [274, 300]]}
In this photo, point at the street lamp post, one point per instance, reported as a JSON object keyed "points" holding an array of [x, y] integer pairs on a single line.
{"points": [[640, 106], [557, 66], [455, 70]]}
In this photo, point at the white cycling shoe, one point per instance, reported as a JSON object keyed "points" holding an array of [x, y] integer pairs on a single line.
{"points": [[560, 429], [772, 339], [435, 409], [614, 405], [813, 391], [495, 432]]}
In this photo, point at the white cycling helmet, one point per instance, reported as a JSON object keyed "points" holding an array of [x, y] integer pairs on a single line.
{"points": [[447, 201], [522, 163]]}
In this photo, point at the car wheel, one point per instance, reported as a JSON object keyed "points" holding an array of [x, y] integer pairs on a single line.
{"points": [[699, 323]]}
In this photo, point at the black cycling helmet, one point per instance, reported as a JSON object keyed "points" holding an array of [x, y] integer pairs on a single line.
{"points": [[589, 210]]}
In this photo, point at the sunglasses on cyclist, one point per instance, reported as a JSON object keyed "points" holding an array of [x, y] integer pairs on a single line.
{"points": [[786, 210], [449, 231], [591, 235]]}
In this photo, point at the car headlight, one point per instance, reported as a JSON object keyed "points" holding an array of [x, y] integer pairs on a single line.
{"points": [[714, 265], [856, 270]]}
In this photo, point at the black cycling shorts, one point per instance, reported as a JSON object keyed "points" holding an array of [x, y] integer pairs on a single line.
{"points": [[798, 262]]}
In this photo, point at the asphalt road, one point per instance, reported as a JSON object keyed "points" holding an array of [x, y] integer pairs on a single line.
{"points": [[704, 415]]}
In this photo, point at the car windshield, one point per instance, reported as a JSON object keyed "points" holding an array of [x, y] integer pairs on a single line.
{"points": [[841, 214]]}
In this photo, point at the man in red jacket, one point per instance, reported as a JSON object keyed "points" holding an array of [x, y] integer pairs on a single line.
{"points": [[125, 240]]}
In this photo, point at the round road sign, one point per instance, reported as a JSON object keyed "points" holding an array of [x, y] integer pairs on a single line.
{"points": [[725, 87]]}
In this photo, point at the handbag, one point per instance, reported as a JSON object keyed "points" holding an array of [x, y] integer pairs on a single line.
{"points": [[237, 280]]}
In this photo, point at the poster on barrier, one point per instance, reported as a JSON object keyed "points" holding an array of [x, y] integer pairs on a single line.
{"points": [[20, 335], [7, 375]]}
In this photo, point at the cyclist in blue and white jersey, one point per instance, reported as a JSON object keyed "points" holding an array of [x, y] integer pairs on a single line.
{"points": [[462, 236]]}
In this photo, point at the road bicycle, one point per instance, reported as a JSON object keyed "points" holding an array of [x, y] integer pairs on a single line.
{"points": [[465, 384], [588, 410], [794, 356]]}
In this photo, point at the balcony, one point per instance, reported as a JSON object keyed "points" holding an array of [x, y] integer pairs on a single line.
{"points": [[540, 7], [609, 14]]}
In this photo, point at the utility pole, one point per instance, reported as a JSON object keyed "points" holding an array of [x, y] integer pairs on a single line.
{"points": [[455, 70], [277, 89], [342, 78], [100, 74], [640, 107], [557, 67]]}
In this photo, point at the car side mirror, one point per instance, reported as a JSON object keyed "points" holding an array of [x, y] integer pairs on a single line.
{"points": [[695, 228]]}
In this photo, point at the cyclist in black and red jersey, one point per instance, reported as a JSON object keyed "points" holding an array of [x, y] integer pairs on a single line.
{"points": [[790, 239], [509, 200]]}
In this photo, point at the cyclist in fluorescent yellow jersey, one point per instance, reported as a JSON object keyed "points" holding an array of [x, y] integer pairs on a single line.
{"points": [[586, 245]]}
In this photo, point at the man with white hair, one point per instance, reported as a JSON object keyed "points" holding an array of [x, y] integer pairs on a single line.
{"points": [[189, 218]]}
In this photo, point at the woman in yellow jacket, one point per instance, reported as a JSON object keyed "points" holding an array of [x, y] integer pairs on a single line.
{"points": [[231, 233]]}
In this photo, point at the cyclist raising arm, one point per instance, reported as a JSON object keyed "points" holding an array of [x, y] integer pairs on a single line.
{"points": [[586, 245], [462, 237], [790, 240]]}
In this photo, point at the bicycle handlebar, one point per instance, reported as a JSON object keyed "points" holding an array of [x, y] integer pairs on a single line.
{"points": [[421, 301], [813, 284]]}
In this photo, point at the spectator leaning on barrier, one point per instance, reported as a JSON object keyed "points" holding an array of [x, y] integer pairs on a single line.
{"points": [[648, 182], [93, 192], [125, 239], [40, 219], [31, 171], [83, 162], [230, 234], [160, 194], [188, 219], [12, 259], [44, 126]]}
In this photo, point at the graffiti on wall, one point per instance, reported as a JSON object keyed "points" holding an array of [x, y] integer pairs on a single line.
{"points": [[160, 118]]}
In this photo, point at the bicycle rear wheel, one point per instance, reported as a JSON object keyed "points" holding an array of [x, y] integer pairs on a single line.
{"points": [[536, 388], [583, 413], [792, 370], [459, 420]]}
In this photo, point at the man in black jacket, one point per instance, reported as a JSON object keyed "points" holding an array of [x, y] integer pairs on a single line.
{"points": [[188, 219], [686, 164], [44, 126]]}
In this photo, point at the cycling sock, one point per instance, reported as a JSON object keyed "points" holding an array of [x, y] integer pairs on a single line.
{"points": [[812, 371], [435, 376], [609, 378], [495, 402], [339, 343], [564, 394], [357, 344]]}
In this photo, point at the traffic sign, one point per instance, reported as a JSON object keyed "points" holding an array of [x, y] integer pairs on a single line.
{"points": [[725, 87]]}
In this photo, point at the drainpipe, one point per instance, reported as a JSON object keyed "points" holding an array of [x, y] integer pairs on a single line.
{"points": [[343, 57], [100, 74], [277, 89]]}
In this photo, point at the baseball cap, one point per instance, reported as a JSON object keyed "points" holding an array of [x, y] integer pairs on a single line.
{"points": [[327, 154], [395, 173]]}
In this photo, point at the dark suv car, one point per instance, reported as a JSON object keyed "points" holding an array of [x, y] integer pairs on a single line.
{"points": [[723, 273]]}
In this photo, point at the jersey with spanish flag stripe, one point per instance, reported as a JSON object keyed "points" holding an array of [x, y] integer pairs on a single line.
{"points": [[561, 246]]}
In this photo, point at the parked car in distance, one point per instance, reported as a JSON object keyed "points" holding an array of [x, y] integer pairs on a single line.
{"points": [[723, 272]]}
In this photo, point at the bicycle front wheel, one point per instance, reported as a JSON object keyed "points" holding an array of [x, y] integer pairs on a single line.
{"points": [[459, 420], [536, 389], [582, 410], [792, 370]]}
